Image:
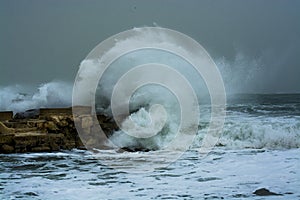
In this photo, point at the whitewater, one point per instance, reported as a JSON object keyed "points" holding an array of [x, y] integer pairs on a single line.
{"points": [[257, 148]]}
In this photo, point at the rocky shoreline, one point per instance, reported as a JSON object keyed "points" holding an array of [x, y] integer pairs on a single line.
{"points": [[48, 130]]}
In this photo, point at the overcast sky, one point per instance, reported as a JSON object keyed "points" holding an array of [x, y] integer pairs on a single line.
{"points": [[45, 40]]}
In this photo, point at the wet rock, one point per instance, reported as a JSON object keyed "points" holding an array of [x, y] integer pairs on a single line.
{"points": [[31, 194], [7, 148], [108, 125], [51, 126], [53, 130], [135, 149], [264, 192], [6, 139], [41, 149], [4, 129], [28, 114], [6, 115]]}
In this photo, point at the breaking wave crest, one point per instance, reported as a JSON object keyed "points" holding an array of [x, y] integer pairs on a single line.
{"points": [[281, 133]]}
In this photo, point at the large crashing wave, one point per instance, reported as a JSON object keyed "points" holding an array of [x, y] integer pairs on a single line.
{"points": [[148, 47], [240, 131]]}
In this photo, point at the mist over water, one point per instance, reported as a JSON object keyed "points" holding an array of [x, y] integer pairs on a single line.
{"points": [[19, 98], [240, 76], [244, 75]]}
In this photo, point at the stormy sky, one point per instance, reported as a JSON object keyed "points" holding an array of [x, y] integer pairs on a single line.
{"points": [[45, 40]]}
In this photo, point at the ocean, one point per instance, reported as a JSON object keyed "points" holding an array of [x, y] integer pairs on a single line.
{"points": [[258, 148], [199, 99]]}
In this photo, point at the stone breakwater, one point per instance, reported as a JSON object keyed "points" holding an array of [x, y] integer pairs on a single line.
{"points": [[48, 130]]}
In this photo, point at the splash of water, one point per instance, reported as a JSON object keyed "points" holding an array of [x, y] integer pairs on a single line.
{"points": [[52, 94]]}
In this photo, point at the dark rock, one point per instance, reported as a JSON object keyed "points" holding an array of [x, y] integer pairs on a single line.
{"points": [[31, 194], [6, 139], [6, 115], [135, 149], [28, 114], [7, 148], [4, 129], [289, 193], [41, 149], [264, 192]]}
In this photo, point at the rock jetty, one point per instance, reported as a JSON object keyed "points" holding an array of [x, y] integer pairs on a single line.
{"points": [[48, 130]]}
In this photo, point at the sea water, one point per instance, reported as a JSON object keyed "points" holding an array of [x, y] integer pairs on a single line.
{"points": [[259, 148]]}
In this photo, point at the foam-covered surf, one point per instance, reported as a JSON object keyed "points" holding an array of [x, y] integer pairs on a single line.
{"points": [[79, 175], [256, 122], [259, 121]]}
